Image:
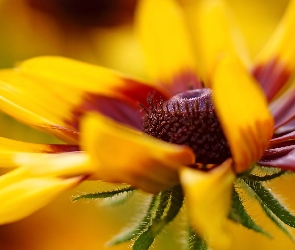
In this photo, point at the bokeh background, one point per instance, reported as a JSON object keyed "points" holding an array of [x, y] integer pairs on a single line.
{"points": [[101, 32]]}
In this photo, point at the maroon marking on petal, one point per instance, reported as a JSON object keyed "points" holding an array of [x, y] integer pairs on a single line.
{"points": [[61, 148], [272, 77], [118, 109], [275, 153], [283, 109], [283, 158], [187, 80], [137, 92], [275, 142], [123, 107], [288, 127]]}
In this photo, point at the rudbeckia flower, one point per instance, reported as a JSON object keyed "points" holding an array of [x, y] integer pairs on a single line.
{"points": [[206, 129]]}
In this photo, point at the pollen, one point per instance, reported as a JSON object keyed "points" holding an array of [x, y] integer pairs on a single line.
{"points": [[189, 119]]}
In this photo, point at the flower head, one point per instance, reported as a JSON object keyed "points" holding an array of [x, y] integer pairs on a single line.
{"points": [[202, 124]]}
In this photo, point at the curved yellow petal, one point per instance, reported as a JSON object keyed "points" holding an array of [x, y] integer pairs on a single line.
{"points": [[58, 165], [24, 197], [68, 73], [165, 40], [243, 112], [124, 155], [208, 197], [275, 64], [53, 92], [17, 153], [36, 103], [280, 46], [264, 17], [39, 180], [42, 164], [10, 159], [9, 145], [214, 34]]}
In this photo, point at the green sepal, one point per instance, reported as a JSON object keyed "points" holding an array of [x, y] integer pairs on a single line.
{"points": [[272, 203], [266, 177], [195, 242], [245, 184], [260, 173], [140, 226], [155, 210], [239, 214], [117, 200], [104, 194], [173, 205], [144, 241]]}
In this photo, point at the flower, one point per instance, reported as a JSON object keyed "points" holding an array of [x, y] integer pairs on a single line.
{"points": [[96, 111], [73, 29]]}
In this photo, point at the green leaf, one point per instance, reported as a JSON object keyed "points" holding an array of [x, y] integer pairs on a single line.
{"points": [[146, 239], [195, 242], [272, 203], [104, 194], [250, 191], [239, 214]]}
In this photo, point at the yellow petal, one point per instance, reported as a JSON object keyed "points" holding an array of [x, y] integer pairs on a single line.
{"points": [[33, 185], [280, 46], [208, 197], [49, 165], [9, 159], [13, 146], [264, 17], [275, 64], [165, 41], [124, 155], [52, 93], [22, 198], [243, 112], [16, 153], [58, 165], [68, 73], [8, 145], [214, 34], [31, 102]]}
